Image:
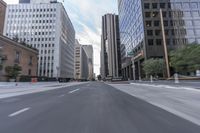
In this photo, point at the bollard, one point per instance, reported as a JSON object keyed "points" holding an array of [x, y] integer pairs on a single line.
{"points": [[151, 79], [140, 79], [176, 78]]}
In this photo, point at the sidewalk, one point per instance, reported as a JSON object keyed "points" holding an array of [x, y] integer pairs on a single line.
{"points": [[11, 89], [182, 83], [181, 101]]}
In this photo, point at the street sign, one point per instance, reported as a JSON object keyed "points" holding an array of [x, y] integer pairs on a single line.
{"points": [[130, 53]]}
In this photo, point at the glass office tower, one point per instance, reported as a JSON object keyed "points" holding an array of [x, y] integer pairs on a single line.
{"points": [[141, 32]]}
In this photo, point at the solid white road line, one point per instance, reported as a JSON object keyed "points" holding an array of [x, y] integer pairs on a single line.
{"points": [[74, 91], [19, 112]]}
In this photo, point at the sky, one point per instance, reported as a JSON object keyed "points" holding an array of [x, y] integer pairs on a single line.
{"points": [[86, 18]]}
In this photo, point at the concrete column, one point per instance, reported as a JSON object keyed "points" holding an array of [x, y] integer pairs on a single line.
{"points": [[139, 69], [133, 67]]}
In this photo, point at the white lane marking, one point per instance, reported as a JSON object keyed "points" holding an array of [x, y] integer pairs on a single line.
{"points": [[61, 95], [19, 112], [74, 91]]}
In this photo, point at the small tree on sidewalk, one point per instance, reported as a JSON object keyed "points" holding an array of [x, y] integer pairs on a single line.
{"points": [[187, 59], [154, 67], [13, 71]]}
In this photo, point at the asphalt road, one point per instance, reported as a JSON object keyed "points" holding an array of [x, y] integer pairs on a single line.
{"points": [[89, 108]]}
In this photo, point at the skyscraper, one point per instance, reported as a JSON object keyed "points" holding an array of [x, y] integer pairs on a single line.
{"points": [[81, 63], [89, 52], [141, 29], [2, 15], [48, 28], [110, 47]]}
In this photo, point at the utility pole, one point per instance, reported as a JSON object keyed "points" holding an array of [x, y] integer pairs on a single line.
{"points": [[164, 44]]}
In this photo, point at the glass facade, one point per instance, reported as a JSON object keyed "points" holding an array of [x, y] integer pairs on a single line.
{"points": [[131, 25], [189, 11], [140, 23], [141, 29]]}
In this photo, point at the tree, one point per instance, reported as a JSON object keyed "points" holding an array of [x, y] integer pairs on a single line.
{"points": [[186, 59], [13, 71], [154, 67]]}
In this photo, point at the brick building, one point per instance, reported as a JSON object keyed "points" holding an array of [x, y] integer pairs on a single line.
{"points": [[13, 53]]}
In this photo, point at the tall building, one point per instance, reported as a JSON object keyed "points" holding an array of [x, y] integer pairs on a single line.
{"points": [[141, 30], [110, 47], [81, 63], [89, 52], [2, 15], [48, 28]]}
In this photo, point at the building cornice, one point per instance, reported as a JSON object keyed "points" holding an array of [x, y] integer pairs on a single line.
{"points": [[12, 42]]}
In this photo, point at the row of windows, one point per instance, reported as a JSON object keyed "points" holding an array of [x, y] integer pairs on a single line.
{"points": [[156, 5], [18, 58], [43, 45], [46, 58], [152, 42], [24, 27], [33, 21], [33, 10], [48, 72], [31, 15], [172, 14], [167, 32], [47, 51], [178, 23], [180, 5]]}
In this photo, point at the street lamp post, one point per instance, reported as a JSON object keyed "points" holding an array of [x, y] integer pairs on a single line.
{"points": [[164, 44], [133, 62]]}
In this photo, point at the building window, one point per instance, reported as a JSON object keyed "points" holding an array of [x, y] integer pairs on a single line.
{"points": [[30, 60], [158, 42], [150, 41], [29, 72], [154, 5], [155, 14], [165, 23], [149, 32], [148, 14], [162, 5], [157, 32], [17, 57], [146, 5], [156, 23], [148, 23]]}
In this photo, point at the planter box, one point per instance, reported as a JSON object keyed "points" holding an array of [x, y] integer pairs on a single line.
{"points": [[11, 80]]}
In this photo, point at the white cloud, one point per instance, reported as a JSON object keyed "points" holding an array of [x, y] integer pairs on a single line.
{"points": [[11, 1], [89, 17]]}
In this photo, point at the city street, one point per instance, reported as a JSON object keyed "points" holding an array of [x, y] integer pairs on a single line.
{"points": [[93, 107]]}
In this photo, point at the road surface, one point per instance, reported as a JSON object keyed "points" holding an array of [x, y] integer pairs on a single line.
{"points": [[94, 107]]}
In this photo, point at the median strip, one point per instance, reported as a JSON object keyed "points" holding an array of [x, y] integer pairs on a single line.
{"points": [[19, 112]]}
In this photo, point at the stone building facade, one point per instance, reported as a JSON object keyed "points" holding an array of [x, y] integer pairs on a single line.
{"points": [[13, 53]]}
